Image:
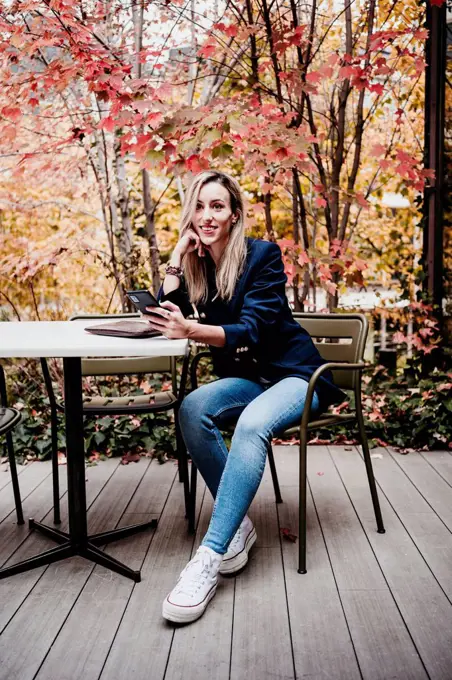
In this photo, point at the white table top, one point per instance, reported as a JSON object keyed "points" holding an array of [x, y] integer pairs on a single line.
{"points": [[20, 339]]}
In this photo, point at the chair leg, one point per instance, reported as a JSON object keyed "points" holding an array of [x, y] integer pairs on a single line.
{"points": [[302, 503], [192, 506], [271, 461], [14, 480], [179, 443], [55, 473], [182, 463], [369, 469]]}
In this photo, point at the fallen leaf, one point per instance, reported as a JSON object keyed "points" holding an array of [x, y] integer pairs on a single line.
{"points": [[285, 442], [444, 386], [130, 458], [287, 535], [320, 474], [316, 440]]}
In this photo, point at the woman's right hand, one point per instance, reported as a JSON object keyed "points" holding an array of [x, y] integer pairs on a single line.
{"points": [[188, 243]]}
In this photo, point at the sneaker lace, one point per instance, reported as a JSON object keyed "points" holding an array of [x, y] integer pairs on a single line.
{"points": [[236, 540], [195, 574]]}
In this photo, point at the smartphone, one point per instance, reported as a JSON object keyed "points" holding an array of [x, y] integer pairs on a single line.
{"points": [[142, 299]]}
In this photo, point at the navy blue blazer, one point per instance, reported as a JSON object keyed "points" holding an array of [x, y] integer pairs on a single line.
{"points": [[263, 341]]}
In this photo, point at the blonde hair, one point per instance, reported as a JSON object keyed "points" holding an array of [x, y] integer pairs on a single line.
{"points": [[233, 259]]}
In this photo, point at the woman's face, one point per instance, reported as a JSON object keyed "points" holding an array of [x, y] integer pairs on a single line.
{"points": [[213, 216]]}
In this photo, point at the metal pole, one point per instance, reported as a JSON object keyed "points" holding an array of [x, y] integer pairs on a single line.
{"points": [[435, 78], [75, 447]]}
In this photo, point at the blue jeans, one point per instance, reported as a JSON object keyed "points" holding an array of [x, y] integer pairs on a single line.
{"points": [[233, 478]]}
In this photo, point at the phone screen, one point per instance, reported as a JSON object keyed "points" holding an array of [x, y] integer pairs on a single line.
{"points": [[142, 299]]}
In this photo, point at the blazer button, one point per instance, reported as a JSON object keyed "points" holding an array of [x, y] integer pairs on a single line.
{"points": [[236, 359]]}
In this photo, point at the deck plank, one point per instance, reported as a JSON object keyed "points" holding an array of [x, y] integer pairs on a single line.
{"points": [[360, 580], [261, 642], [38, 505], [15, 589], [426, 528], [441, 461], [422, 603], [321, 640], [105, 595], [143, 641], [430, 485], [203, 650], [33, 475], [370, 606], [5, 472], [59, 587]]}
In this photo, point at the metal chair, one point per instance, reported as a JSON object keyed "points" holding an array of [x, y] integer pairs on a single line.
{"points": [[9, 418], [340, 340], [117, 405]]}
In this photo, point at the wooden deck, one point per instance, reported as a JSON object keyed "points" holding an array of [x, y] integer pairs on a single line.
{"points": [[371, 606]]}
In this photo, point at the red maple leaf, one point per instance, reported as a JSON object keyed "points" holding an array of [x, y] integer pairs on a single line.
{"points": [[378, 88], [287, 535], [207, 50], [130, 458]]}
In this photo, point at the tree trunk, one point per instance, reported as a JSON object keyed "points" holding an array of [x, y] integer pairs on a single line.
{"points": [[148, 205], [125, 235], [109, 211], [268, 214], [359, 127], [150, 231], [298, 307], [337, 159]]}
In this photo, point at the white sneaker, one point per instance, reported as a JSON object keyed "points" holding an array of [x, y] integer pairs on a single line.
{"points": [[195, 588], [237, 555]]}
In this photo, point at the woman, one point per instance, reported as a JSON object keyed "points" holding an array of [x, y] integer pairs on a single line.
{"points": [[262, 355]]}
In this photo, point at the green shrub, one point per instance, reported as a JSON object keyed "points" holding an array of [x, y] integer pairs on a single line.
{"points": [[407, 411], [104, 435], [410, 413]]}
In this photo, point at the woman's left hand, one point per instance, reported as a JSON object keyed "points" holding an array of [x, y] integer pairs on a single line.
{"points": [[169, 320]]}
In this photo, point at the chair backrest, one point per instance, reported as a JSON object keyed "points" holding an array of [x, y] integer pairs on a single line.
{"points": [[9, 417], [124, 365], [3, 397], [338, 337]]}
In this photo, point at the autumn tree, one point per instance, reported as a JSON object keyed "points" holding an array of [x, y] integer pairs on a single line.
{"points": [[308, 95], [312, 105], [64, 69]]}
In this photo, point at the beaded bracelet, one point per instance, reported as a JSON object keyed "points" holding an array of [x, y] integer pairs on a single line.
{"points": [[174, 271]]}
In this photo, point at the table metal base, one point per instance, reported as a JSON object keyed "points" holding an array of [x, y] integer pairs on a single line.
{"points": [[77, 541], [86, 548]]}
